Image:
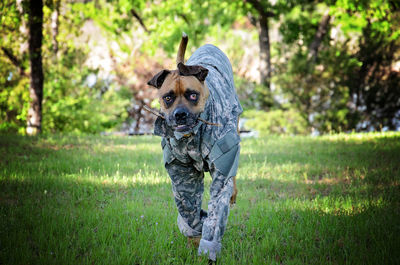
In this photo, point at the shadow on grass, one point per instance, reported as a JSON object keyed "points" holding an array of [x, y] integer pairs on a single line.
{"points": [[294, 234], [85, 223]]}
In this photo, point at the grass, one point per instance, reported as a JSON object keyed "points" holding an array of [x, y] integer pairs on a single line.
{"points": [[108, 200]]}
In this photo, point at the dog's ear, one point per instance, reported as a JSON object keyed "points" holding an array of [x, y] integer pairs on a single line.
{"points": [[158, 79], [195, 70]]}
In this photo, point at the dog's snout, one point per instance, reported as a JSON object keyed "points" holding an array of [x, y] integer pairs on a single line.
{"points": [[180, 115]]}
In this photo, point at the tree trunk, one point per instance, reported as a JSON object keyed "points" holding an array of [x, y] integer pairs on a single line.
{"points": [[261, 8], [23, 28], [318, 37], [265, 54], [34, 122], [54, 26], [263, 37]]}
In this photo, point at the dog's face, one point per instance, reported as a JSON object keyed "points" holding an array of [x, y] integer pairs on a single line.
{"points": [[182, 94]]}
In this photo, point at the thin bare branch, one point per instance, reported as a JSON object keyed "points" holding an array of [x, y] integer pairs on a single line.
{"points": [[319, 36], [15, 61], [153, 112], [136, 15]]}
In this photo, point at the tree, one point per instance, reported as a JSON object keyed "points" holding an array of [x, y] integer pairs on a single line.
{"points": [[35, 14], [14, 92], [55, 21], [342, 80], [334, 63], [262, 9], [376, 87]]}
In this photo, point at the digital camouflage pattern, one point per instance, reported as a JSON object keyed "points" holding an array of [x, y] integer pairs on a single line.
{"points": [[205, 148]]}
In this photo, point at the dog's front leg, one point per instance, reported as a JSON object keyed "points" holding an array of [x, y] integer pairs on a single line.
{"points": [[188, 187], [218, 210]]}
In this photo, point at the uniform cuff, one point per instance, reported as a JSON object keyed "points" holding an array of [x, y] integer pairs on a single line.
{"points": [[209, 247], [185, 229]]}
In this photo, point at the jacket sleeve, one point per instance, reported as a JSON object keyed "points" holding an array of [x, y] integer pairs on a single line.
{"points": [[223, 161], [168, 157]]}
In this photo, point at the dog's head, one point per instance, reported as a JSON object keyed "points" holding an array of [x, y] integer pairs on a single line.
{"points": [[182, 93]]}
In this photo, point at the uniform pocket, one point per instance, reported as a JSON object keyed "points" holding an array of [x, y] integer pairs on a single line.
{"points": [[225, 154]]}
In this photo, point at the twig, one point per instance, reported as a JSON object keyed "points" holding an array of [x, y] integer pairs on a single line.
{"points": [[161, 116], [209, 123], [136, 15], [14, 60], [153, 111]]}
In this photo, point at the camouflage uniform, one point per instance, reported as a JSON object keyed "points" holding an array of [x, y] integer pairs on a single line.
{"points": [[207, 148]]}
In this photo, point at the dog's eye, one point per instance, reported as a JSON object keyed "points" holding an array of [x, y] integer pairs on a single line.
{"points": [[193, 96], [168, 100]]}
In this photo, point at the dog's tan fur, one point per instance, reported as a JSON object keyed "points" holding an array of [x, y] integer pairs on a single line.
{"points": [[179, 85]]}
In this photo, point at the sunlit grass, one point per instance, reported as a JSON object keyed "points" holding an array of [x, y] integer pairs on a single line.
{"points": [[108, 200]]}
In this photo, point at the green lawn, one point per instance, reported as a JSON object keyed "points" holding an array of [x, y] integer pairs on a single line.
{"points": [[108, 200]]}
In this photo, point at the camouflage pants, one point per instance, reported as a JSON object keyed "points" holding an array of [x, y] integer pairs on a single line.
{"points": [[188, 187]]}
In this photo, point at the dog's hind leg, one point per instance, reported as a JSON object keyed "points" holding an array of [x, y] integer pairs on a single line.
{"points": [[235, 190], [234, 193], [193, 241]]}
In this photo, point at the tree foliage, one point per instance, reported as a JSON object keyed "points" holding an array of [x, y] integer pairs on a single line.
{"points": [[70, 104], [351, 85], [333, 63]]}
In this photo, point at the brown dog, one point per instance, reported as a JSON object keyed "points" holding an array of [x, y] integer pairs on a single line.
{"points": [[183, 97], [194, 99]]}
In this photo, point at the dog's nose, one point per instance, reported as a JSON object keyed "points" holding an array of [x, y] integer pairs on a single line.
{"points": [[180, 115]]}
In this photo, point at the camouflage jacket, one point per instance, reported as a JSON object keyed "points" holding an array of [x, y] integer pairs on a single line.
{"points": [[207, 143]]}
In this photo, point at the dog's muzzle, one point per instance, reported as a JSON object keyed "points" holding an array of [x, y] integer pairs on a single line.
{"points": [[181, 119]]}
